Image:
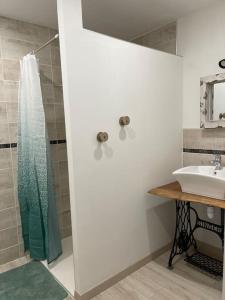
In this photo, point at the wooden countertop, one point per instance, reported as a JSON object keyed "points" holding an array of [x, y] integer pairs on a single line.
{"points": [[173, 191]]}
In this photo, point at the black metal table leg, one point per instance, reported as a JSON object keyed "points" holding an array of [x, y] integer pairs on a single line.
{"points": [[183, 238]]}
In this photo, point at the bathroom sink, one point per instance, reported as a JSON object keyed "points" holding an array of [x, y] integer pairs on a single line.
{"points": [[202, 180]]}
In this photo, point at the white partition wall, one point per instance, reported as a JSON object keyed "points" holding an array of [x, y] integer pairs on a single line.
{"points": [[200, 40], [115, 222]]}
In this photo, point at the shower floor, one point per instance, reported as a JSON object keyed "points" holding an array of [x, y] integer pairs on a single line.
{"points": [[63, 268]]}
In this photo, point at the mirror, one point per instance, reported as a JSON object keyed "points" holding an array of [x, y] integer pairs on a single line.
{"points": [[212, 102], [218, 102]]}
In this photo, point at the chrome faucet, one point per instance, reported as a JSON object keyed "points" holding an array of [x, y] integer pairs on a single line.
{"points": [[217, 162]]}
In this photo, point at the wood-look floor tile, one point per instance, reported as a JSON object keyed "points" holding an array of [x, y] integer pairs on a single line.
{"points": [[155, 282]]}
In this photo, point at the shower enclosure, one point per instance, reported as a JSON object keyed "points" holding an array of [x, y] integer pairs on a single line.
{"points": [[18, 39]]}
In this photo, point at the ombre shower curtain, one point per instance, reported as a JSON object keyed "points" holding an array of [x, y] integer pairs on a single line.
{"points": [[35, 184]]}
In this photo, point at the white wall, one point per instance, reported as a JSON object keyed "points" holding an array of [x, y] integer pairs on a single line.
{"points": [[115, 222], [201, 41]]}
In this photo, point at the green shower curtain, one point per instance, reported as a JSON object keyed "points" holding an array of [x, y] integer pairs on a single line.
{"points": [[35, 185]]}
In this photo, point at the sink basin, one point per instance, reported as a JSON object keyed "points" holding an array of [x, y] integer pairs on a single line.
{"points": [[202, 180]]}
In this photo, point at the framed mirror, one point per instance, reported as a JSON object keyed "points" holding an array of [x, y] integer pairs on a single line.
{"points": [[212, 102]]}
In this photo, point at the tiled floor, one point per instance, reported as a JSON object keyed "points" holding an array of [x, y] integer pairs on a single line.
{"points": [[152, 282], [155, 282]]}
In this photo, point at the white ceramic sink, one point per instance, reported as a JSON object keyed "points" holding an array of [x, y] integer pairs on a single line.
{"points": [[202, 180]]}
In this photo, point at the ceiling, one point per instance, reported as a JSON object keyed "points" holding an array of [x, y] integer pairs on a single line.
{"points": [[41, 12], [124, 19], [128, 19]]}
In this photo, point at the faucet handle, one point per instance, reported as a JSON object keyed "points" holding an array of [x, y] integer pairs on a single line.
{"points": [[218, 157]]}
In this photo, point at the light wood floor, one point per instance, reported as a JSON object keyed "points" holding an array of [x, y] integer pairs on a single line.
{"points": [[155, 282]]}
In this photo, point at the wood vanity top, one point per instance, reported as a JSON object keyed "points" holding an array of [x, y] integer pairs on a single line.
{"points": [[173, 191]]}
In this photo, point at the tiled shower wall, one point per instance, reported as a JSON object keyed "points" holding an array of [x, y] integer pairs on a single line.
{"points": [[17, 39], [199, 148], [163, 39]]}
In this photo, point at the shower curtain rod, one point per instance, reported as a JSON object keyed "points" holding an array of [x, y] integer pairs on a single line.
{"points": [[46, 44]]}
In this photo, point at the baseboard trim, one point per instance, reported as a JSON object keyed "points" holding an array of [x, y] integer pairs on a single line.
{"points": [[113, 280]]}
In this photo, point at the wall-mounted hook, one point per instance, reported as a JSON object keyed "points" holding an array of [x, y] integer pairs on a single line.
{"points": [[102, 137], [222, 116], [124, 121]]}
